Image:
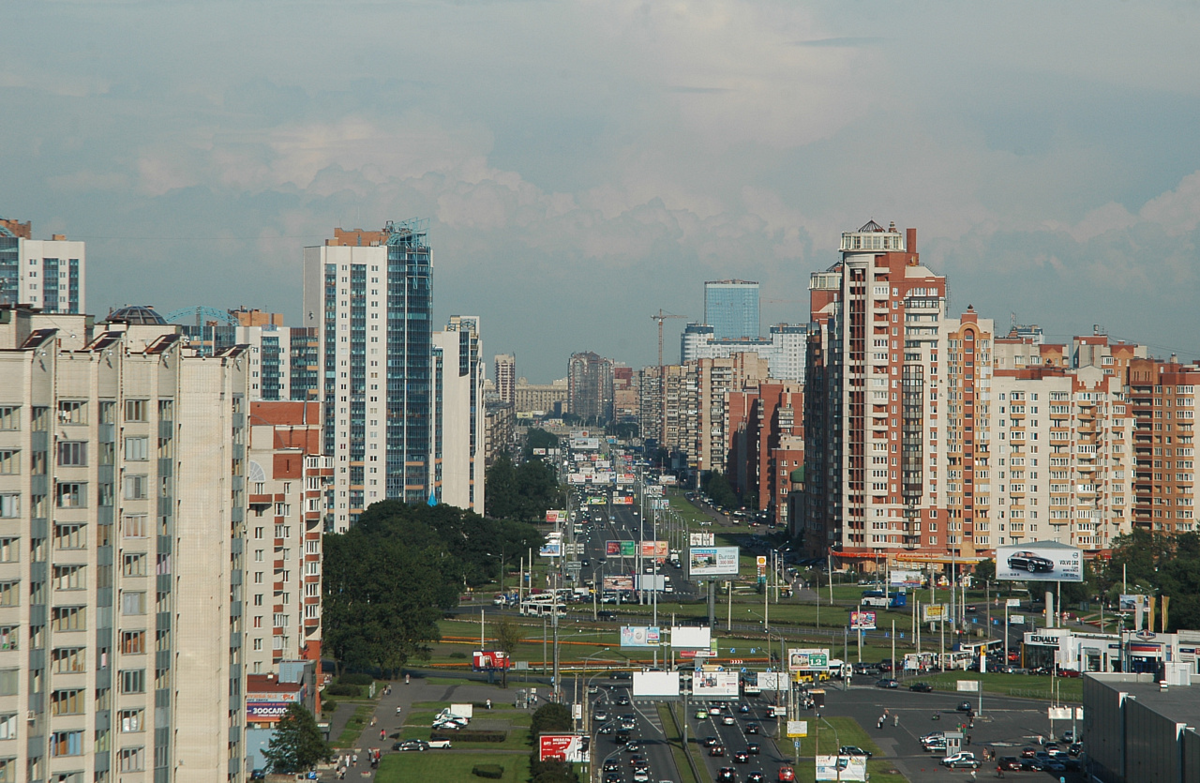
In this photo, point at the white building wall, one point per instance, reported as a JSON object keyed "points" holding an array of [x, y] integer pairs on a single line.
{"points": [[36, 284]]}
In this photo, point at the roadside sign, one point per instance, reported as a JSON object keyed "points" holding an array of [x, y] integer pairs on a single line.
{"points": [[968, 686], [797, 728]]}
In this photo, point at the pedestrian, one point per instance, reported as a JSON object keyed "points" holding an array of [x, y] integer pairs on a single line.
{"points": [[382, 735], [355, 758], [489, 704], [972, 774], [896, 720], [999, 771]]}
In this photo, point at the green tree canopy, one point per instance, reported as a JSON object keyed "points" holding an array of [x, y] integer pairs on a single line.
{"points": [[537, 438], [550, 719], [297, 744], [716, 486], [521, 492]]}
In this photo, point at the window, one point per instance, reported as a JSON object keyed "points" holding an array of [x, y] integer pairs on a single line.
{"points": [[10, 417], [8, 637], [135, 486], [9, 681], [133, 564], [133, 642], [69, 537], [69, 618], [10, 593], [133, 602], [72, 412], [10, 550], [10, 505], [66, 702], [134, 526], [133, 681], [72, 453], [135, 410], [137, 449], [67, 660], [69, 577], [131, 721], [66, 743], [72, 494], [8, 728], [10, 462]]}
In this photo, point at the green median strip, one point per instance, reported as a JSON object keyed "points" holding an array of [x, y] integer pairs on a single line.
{"points": [[678, 751]]}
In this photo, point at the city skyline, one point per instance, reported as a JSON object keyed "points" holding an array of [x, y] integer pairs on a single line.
{"points": [[1050, 177]]}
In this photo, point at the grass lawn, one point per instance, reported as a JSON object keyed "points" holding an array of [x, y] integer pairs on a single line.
{"points": [[678, 752], [1024, 685], [354, 728], [436, 765]]}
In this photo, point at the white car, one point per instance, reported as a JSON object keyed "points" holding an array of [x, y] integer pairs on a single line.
{"points": [[438, 743]]}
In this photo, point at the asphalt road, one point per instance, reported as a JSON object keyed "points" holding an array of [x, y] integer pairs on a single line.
{"points": [[735, 737], [648, 731]]}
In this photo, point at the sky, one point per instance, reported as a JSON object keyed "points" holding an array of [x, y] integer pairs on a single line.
{"points": [[583, 164]]}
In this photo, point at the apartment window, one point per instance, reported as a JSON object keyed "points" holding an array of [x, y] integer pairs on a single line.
{"points": [[72, 412], [10, 680], [258, 599], [136, 410], [133, 681], [10, 550], [68, 618], [69, 577], [66, 743], [69, 537], [10, 505], [131, 721], [137, 449], [134, 526], [133, 602], [72, 494], [133, 564], [258, 644], [72, 453], [10, 593], [8, 637], [68, 660], [8, 728], [10, 462], [135, 486], [10, 417], [67, 702], [133, 642]]}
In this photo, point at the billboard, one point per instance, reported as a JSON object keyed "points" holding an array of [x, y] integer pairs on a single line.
{"points": [[585, 444], [691, 638], [1039, 561], [640, 636], [551, 549], [624, 479], [712, 561], [772, 681], [623, 500], [808, 659], [556, 515], [904, 578], [934, 613], [571, 748], [862, 621], [265, 711], [656, 685], [483, 660], [654, 549], [620, 583], [620, 548], [652, 582], [702, 539], [597, 500], [841, 768], [714, 685]]}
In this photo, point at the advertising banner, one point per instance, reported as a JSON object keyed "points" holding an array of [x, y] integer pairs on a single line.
{"points": [[797, 728], [1039, 561], [623, 500], [715, 685], [712, 561], [691, 638], [668, 479], [652, 582], [619, 583], [934, 613], [483, 660], [1138, 604], [967, 686], [1016, 619], [640, 636], [653, 491], [539, 452], [562, 747], [904, 578], [551, 549], [654, 549], [841, 768], [577, 478], [701, 539], [862, 621], [597, 500], [620, 548], [772, 681], [265, 711], [624, 479], [556, 515], [808, 659], [656, 685]]}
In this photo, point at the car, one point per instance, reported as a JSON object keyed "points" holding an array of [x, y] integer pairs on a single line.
{"points": [[634, 746], [887, 683], [1009, 763], [710, 741], [756, 777], [623, 736], [1068, 736], [1031, 562], [600, 715], [743, 708], [593, 689], [726, 775], [641, 776], [962, 760], [607, 728], [752, 728], [1075, 749], [937, 743], [613, 777], [438, 744], [753, 748], [701, 714], [964, 706], [638, 761], [921, 687], [852, 750], [412, 744], [716, 750], [622, 701], [741, 757], [1028, 753], [612, 765], [1031, 765], [628, 723], [728, 720], [786, 775], [714, 710]]}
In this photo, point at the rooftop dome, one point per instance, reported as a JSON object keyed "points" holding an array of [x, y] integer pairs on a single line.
{"points": [[135, 315]]}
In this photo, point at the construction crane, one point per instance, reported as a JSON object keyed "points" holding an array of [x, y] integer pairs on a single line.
{"points": [[660, 317]]}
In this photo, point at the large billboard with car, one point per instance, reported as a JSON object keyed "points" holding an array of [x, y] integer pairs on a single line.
{"points": [[1039, 561]]}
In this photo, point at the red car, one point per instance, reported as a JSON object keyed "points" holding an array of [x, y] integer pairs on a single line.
{"points": [[786, 775]]}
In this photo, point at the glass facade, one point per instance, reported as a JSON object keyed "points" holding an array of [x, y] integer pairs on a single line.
{"points": [[731, 309]]}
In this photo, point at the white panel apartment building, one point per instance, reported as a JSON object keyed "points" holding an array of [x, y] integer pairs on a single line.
{"points": [[45, 273], [122, 519], [458, 430]]}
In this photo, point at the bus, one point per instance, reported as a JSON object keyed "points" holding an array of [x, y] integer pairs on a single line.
{"points": [[542, 605]]}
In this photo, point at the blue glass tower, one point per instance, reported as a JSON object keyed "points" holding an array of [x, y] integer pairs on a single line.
{"points": [[731, 309]]}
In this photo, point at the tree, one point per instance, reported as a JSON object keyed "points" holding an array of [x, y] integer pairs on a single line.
{"points": [[716, 486], [521, 492], [985, 571], [297, 744], [509, 636], [537, 438], [553, 719]]}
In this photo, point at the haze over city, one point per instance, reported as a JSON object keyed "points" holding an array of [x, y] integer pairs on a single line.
{"points": [[583, 165]]}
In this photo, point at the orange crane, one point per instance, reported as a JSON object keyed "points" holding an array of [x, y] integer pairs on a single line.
{"points": [[660, 317]]}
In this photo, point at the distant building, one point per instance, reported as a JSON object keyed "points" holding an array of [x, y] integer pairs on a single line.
{"points": [[548, 399], [784, 348], [499, 426], [625, 393], [506, 377], [731, 309], [459, 419], [590, 386], [45, 273]]}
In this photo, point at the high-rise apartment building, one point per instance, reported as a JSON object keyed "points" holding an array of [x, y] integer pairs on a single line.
{"points": [[766, 444], [731, 309], [122, 531], [44, 273], [1162, 401], [590, 386], [506, 377], [369, 296], [459, 418]]}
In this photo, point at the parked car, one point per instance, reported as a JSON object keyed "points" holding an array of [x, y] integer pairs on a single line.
{"points": [[412, 744], [921, 687], [1009, 763], [962, 760], [852, 750]]}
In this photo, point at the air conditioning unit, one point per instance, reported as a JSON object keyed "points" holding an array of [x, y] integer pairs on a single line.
{"points": [[31, 715]]}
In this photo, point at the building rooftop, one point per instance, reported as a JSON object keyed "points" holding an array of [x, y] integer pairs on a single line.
{"points": [[135, 315], [1178, 703]]}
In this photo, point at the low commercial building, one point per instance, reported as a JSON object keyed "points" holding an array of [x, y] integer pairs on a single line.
{"points": [[1138, 729]]}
